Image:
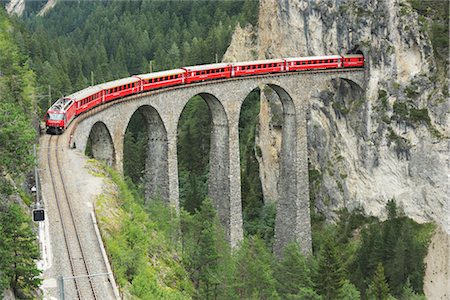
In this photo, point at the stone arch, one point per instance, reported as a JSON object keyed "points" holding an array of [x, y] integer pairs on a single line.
{"points": [[354, 81], [156, 171], [100, 145], [219, 160]]}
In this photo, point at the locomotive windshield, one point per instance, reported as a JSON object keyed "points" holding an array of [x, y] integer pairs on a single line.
{"points": [[55, 116]]}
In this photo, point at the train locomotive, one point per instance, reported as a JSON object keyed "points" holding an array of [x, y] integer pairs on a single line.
{"points": [[64, 110]]}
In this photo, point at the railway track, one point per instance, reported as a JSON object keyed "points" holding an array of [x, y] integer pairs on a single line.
{"points": [[81, 273]]}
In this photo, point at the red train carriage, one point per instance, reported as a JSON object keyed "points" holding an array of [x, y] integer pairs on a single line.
{"points": [[162, 79], [353, 60], [120, 88], [87, 99], [313, 62], [59, 116], [207, 72], [257, 67]]}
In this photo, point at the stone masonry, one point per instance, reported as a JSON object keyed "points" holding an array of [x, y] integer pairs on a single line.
{"points": [[162, 110]]}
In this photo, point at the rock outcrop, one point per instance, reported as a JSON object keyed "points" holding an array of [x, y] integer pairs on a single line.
{"points": [[366, 147]]}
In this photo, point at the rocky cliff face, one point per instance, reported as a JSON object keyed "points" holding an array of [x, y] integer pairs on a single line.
{"points": [[17, 7], [366, 146]]}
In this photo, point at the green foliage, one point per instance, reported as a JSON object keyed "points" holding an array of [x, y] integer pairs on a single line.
{"points": [[203, 250], [348, 291], [17, 136], [293, 275], [252, 197], [194, 130], [409, 294], [378, 288], [135, 148], [330, 272], [383, 97], [16, 91], [420, 116], [437, 12], [411, 92], [19, 252], [18, 248], [400, 245], [142, 250], [77, 38], [253, 277]]}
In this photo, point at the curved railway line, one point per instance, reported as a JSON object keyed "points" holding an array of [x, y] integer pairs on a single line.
{"points": [[80, 268]]}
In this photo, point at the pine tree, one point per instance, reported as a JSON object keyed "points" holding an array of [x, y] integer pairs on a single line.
{"points": [[292, 273], [330, 272], [253, 271], [348, 291], [378, 288], [19, 253], [202, 242]]}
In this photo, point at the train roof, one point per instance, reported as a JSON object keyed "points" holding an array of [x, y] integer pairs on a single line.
{"points": [[61, 105], [84, 93], [258, 62], [116, 83], [160, 74], [313, 57], [206, 67]]}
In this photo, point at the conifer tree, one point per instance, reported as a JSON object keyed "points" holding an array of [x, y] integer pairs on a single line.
{"points": [[19, 253], [378, 288], [253, 272], [292, 273], [203, 250], [330, 272]]}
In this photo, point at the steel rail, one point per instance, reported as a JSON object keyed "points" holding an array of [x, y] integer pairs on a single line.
{"points": [[65, 224]]}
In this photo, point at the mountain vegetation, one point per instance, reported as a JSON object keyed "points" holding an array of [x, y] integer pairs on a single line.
{"points": [[18, 247], [359, 257]]}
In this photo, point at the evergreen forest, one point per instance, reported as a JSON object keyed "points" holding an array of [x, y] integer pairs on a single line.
{"points": [[155, 252]]}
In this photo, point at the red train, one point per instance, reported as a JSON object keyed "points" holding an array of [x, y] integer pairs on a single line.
{"points": [[64, 110]]}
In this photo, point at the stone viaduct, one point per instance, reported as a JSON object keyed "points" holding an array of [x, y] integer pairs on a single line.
{"points": [[162, 110]]}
